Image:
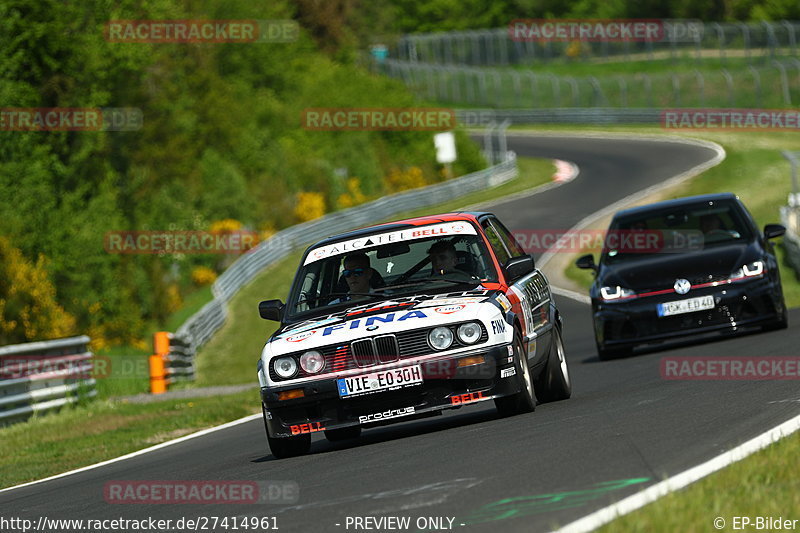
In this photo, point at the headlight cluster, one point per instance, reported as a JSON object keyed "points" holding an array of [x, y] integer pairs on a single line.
{"points": [[312, 362], [441, 338], [750, 270], [615, 293]]}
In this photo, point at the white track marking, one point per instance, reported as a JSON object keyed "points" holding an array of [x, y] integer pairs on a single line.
{"points": [[140, 452], [577, 296], [679, 481]]}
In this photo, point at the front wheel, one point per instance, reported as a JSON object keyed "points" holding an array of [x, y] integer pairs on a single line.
{"points": [[283, 448], [554, 383], [783, 319], [525, 400]]}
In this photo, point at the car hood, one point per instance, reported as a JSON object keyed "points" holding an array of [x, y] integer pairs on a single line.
{"points": [[387, 316], [658, 271]]}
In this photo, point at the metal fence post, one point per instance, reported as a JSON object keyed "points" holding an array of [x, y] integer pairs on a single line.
{"points": [[576, 98], [720, 41], [623, 91], [757, 81], [787, 99], [792, 39], [729, 84], [701, 84], [517, 88], [746, 37], [676, 90]]}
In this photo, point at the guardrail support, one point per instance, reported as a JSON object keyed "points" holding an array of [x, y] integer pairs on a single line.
{"points": [[158, 379], [158, 375]]}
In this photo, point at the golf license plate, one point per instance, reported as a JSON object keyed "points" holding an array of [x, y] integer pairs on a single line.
{"points": [[392, 379], [689, 305]]}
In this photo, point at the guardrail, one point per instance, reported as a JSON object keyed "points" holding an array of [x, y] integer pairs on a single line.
{"points": [[790, 216], [171, 362], [201, 326], [44, 375], [694, 39]]}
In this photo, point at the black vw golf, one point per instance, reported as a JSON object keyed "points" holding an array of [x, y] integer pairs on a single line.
{"points": [[686, 266]]}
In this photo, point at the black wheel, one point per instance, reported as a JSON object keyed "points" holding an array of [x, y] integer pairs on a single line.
{"points": [[286, 447], [335, 435], [554, 384], [525, 400]]}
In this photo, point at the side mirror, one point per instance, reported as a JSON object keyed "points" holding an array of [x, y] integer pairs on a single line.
{"points": [[517, 267], [586, 262], [271, 310], [773, 230]]}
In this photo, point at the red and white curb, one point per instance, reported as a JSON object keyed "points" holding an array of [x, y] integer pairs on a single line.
{"points": [[565, 171]]}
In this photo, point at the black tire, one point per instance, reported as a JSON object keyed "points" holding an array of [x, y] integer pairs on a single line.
{"points": [[525, 400], [283, 448], [554, 383], [781, 323], [336, 435], [783, 320]]}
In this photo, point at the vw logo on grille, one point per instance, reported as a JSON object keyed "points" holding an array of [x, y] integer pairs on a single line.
{"points": [[682, 286]]}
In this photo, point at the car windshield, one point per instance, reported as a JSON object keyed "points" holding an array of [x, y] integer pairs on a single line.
{"points": [[675, 230], [406, 262]]}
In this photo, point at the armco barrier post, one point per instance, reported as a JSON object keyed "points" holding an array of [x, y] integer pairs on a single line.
{"points": [[158, 377]]}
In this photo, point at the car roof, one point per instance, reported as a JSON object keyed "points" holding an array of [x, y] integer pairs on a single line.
{"points": [[677, 202], [470, 216]]}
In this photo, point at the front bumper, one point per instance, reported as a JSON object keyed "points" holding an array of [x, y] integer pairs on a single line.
{"points": [[739, 305], [444, 386]]}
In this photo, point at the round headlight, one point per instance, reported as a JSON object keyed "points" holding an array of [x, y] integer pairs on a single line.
{"points": [[285, 367], [312, 362], [469, 333], [440, 338]]}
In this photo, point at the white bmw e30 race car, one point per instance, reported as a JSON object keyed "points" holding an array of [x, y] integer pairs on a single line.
{"points": [[403, 320]]}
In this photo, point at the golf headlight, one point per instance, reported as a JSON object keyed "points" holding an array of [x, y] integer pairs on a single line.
{"points": [[751, 270], [615, 293], [285, 367], [440, 338], [469, 333], [312, 362]]}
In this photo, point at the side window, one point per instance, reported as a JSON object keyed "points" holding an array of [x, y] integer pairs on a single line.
{"points": [[508, 239], [496, 242]]}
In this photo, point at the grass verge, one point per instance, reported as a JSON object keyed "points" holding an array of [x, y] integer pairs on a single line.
{"points": [[86, 434], [102, 429], [765, 484]]}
